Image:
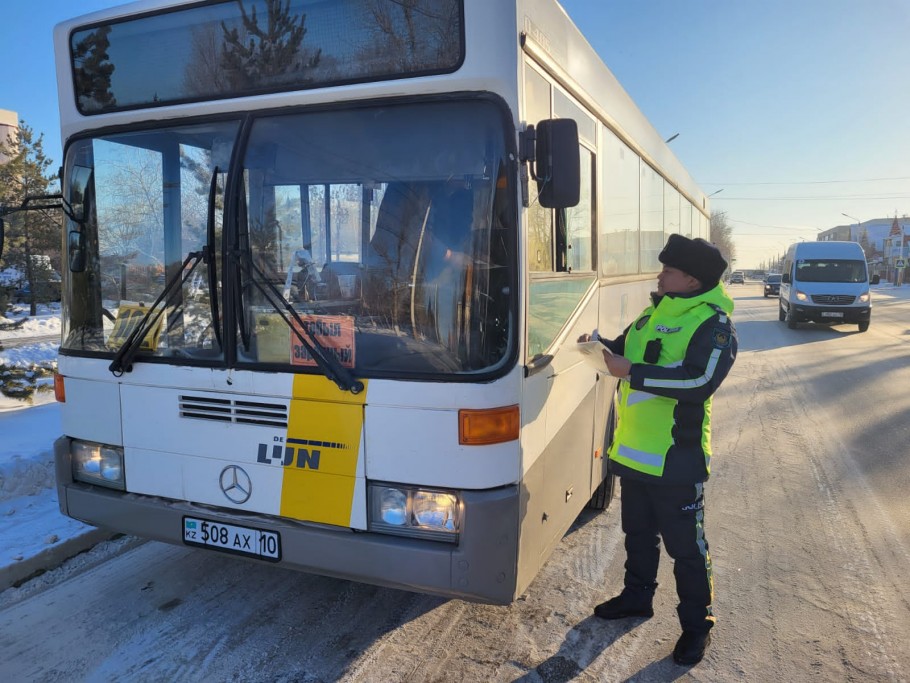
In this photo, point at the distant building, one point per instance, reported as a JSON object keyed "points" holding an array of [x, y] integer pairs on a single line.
{"points": [[877, 231], [9, 124]]}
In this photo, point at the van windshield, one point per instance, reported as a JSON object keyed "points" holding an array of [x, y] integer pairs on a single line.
{"points": [[830, 270]]}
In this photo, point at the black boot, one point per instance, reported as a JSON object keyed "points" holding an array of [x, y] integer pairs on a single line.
{"points": [[691, 646], [624, 605]]}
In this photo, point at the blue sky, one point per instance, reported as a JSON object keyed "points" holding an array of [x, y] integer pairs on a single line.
{"points": [[798, 111]]}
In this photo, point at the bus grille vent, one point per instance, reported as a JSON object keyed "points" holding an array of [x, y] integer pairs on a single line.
{"points": [[232, 410], [833, 299]]}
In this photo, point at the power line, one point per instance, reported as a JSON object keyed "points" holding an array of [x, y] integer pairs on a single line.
{"points": [[812, 182], [876, 198]]}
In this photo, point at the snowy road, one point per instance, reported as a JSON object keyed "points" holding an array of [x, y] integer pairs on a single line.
{"points": [[14, 342], [808, 520]]}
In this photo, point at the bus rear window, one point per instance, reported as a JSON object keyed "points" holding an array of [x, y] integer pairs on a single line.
{"points": [[246, 47]]}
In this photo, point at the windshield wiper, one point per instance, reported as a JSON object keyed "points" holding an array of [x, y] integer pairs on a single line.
{"points": [[123, 359], [327, 362]]}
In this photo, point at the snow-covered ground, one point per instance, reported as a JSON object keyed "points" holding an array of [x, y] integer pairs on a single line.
{"points": [[31, 526], [32, 530]]}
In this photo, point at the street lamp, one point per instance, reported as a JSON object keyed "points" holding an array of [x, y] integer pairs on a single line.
{"points": [[672, 137], [715, 192], [859, 223]]}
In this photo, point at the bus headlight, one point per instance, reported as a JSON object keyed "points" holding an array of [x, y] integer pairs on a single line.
{"points": [[417, 512], [864, 298], [801, 296], [95, 463]]}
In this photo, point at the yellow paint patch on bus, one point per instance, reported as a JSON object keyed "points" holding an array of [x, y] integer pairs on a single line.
{"points": [[321, 388], [324, 428]]}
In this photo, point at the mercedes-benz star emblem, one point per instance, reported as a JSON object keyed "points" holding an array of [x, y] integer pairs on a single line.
{"points": [[235, 484]]}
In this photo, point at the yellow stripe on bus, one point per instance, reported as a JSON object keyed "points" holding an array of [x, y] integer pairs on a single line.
{"points": [[324, 428]]}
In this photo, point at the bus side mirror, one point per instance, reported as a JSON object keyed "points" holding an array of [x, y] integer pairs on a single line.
{"points": [[75, 248], [785, 278], [875, 279], [558, 163]]}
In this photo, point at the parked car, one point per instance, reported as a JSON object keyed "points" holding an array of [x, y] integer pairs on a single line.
{"points": [[772, 285], [736, 278]]}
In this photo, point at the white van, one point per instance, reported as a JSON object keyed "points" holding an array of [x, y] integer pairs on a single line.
{"points": [[825, 282]]}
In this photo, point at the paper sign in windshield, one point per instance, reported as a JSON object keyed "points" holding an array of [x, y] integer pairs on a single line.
{"points": [[129, 317], [334, 333]]}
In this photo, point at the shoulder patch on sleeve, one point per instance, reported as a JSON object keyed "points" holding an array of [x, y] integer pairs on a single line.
{"points": [[721, 338]]}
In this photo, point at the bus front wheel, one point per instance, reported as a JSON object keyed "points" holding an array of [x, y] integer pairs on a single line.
{"points": [[603, 494]]}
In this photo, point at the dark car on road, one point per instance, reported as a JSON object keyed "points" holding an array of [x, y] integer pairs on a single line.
{"points": [[772, 285], [737, 278]]}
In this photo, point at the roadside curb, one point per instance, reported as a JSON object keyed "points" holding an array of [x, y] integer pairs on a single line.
{"points": [[51, 557]]}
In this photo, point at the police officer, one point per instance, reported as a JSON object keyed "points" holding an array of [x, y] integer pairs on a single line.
{"points": [[670, 361]]}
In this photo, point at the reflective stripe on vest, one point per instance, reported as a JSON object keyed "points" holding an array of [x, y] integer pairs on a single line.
{"points": [[639, 396], [688, 383], [649, 460]]}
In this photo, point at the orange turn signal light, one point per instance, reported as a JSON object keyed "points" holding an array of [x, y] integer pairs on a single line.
{"points": [[59, 389], [488, 426]]}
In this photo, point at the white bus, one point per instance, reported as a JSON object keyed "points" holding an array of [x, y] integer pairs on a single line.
{"points": [[327, 263]]}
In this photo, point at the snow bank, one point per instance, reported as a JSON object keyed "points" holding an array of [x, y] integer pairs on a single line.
{"points": [[27, 450]]}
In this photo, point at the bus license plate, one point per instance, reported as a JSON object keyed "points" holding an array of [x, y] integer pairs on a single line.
{"points": [[241, 540], [832, 314]]}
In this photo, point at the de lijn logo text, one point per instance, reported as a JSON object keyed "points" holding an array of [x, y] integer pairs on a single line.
{"points": [[303, 452]]}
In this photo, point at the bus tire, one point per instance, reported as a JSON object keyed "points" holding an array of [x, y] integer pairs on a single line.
{"points": [[863, 326], [603, 494], [781, 313]]}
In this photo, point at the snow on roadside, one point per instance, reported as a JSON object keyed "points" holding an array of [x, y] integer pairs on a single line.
{"points": [[26, 360], [27, 450], [47, 321], [30, 519]]}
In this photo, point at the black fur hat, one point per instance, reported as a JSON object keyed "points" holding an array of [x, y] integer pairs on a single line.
{"points": [[698, 258]]}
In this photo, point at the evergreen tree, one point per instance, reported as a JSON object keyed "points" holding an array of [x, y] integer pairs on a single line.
{"points": [[93, 70], [29, 234], [257, 57]]}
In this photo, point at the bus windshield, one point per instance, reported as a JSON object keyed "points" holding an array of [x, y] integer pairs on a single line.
{"points": [[384, 235]]}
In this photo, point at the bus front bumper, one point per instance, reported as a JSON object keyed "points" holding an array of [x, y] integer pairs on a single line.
{"points": [[481, 567]]}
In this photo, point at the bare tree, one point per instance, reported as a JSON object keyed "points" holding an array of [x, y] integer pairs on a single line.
{"points": [[402, 28], [722, 235], [204, 75]]}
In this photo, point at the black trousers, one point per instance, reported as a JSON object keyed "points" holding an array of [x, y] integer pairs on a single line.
{"points": [[676, 514]]}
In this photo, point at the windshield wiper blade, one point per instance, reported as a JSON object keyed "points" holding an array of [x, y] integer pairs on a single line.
{"points": [[123, 359], [330, 366]]}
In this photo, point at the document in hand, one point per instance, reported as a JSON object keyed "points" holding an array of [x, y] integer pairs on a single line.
{"points": [[593, 352]]}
